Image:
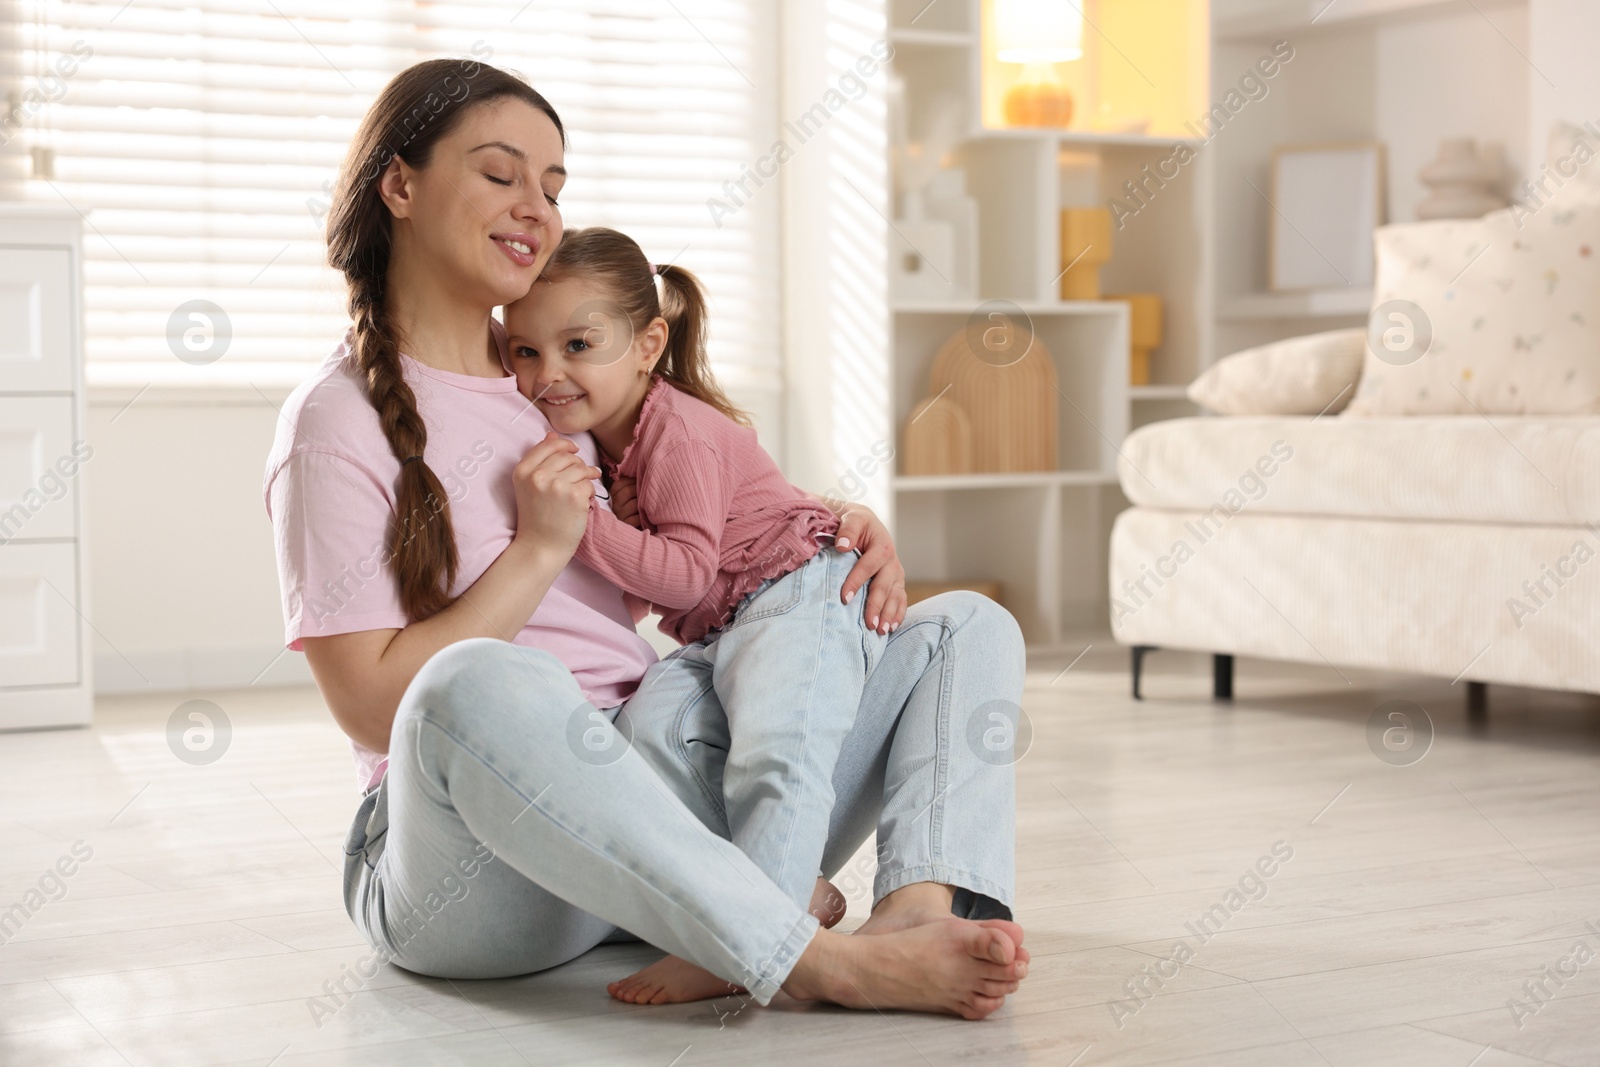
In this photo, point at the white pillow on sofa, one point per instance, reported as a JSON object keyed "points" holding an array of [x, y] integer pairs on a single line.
{"points": [[1499, 315], [1300, 376]]}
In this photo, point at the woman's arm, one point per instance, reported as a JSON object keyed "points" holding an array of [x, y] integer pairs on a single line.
{"points": [[363, 675]]}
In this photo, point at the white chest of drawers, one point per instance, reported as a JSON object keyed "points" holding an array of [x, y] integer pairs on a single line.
{"points": [[44, 632]]}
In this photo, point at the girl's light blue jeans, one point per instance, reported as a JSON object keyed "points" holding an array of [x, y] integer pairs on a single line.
{"points": [[786, 676], [519, 826]]}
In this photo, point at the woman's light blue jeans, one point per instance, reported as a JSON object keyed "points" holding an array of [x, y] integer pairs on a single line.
{"points": [[519, 826]]}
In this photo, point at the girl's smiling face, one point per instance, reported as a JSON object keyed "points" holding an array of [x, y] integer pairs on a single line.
{"points": [[577, 356]]}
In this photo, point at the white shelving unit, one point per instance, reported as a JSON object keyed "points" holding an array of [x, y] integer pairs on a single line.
{"points": [[1042, 535], [44, 636]]}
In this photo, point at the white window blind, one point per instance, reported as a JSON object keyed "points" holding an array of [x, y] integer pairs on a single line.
{"points": [[199, 138]]}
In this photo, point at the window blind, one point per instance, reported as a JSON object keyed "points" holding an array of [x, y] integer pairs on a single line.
{"points": [[200, 138]]}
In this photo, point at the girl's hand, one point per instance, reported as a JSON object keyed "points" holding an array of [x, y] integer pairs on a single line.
{"points": [[860, 529], [553, 489], [625, 501]]}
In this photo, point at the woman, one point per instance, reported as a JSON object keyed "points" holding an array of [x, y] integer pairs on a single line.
{"points": [[425, 521]]}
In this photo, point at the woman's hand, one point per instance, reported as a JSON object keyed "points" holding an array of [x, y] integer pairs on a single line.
{"points": [[625, 501], [860, 529], [553, 487]]}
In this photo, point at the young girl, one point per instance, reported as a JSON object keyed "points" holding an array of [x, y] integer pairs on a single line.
{"points": [[731, 555]]}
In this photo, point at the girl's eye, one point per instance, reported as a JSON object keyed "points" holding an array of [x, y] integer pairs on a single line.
{"points": [[524, 352], [577, 344]]}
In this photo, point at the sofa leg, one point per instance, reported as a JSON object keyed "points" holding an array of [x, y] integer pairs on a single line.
{"points": [[1222, 677], [1478, 701], [1138, 667]]}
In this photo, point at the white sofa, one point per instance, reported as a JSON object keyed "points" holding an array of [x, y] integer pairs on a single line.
{"points": [[1466, 547], [1447, 522]]}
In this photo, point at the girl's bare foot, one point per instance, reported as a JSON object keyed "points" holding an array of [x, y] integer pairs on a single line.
{"points": [[827, 904], [677, 981], [910, 905], [953, 966], [672, 981]]}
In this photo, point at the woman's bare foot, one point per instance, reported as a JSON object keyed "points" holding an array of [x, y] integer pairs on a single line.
{"points": [[953, 966], [677, 981]]}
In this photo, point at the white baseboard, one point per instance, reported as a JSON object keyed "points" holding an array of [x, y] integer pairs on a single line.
{"points": [[170, 670]]}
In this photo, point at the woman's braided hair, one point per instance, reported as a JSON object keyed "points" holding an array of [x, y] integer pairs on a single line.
{"points": [[418, 107]]}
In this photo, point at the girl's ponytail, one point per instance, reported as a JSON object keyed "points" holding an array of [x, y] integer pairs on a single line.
{"points": [[684, 363]]}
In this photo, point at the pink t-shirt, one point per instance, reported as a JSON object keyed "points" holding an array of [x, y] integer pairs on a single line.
{"points": [[330, 490]]}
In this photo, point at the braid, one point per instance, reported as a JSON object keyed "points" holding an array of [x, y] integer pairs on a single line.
{"points": [[422, 546]]}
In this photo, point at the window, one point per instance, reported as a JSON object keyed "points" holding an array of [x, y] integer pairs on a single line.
{"points": [[200, 137]]}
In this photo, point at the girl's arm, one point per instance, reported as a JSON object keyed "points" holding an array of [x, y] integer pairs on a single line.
{"points": [[859, 528], [363, 675], [675, 564]]}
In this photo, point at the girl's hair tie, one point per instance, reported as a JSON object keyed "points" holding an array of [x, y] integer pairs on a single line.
{"points": [[654, 270], [409, 459]]}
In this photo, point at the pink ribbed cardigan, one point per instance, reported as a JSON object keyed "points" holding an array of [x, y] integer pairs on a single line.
{"points": [[718, 516]]}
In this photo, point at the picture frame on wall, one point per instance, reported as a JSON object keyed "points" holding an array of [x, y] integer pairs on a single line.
{"points": [[1327, 199]]}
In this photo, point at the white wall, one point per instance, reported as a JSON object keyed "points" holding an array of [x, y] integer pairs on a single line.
{"points": [[183, 590], [1565, 79], [1451, 75]]}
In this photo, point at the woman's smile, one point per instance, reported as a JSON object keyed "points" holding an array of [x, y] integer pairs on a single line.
{"points": [[522, 248]]}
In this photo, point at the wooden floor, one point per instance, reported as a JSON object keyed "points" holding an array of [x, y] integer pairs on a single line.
{"points": [[1419, 904]]}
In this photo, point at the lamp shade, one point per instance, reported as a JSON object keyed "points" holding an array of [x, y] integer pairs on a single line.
{"points": [[1038, 31]]}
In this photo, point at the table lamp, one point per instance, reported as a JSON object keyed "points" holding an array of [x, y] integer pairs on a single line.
{"points": [[1038, 34]]}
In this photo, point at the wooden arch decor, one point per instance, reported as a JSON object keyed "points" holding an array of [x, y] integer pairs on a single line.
{"points": [[938, 439], [1002, 377]]}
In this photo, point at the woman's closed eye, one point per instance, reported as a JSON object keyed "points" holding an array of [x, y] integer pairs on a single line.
{"points": [[512, 181]]}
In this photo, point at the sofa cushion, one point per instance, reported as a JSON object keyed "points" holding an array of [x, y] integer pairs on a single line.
{"points": [[1301, 376], [1541, 471], [1498, 315]]}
